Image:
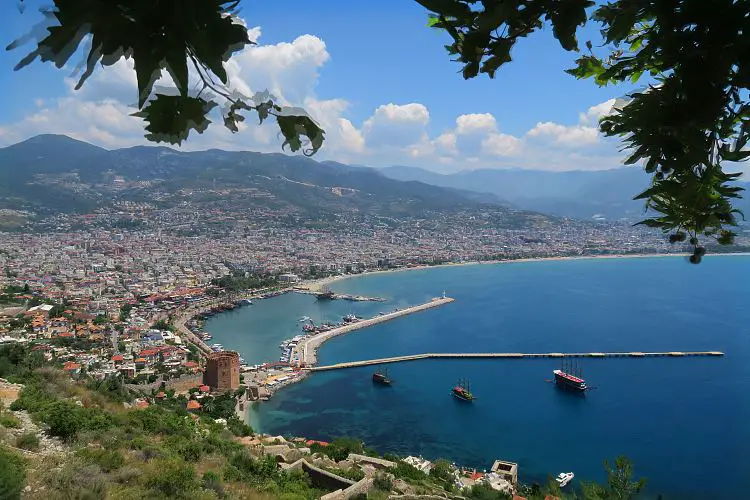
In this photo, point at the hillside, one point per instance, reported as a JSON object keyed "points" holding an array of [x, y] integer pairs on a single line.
{"points": [[51, 174], [578, 194]]}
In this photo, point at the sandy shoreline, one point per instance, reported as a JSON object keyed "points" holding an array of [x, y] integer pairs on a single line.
{"points": [[320, 284]]}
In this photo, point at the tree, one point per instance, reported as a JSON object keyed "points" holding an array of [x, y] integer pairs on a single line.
{"points": [[620, 483], [694, 116], [190, 39]]}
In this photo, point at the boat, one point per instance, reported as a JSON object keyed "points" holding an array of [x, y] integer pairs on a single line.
{"points": [[570, 378], [564, 478], [326, 295], [248, 302], [381, 378], [462, 391], [350, 318]]}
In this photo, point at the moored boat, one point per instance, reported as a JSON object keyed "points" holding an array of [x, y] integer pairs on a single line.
{"points": [[462, 391], [381, 377], [564, 478], [570, 378]]}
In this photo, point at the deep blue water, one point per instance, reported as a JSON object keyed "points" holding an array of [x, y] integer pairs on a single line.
{"points": [[684, 422]]}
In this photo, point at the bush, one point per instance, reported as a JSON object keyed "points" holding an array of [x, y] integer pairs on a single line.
{"points": [[12, 474], [402, 470], [172, 478], [9, 421], [107, 460], [212, 481], [382, 482], [239, 428], [28, 441]]}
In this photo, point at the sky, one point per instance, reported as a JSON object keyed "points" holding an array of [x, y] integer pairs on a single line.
{"points": [[372, 74]]}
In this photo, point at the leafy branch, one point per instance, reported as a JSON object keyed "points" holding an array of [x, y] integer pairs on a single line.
{"points": [[171, 35], [684, 129]]}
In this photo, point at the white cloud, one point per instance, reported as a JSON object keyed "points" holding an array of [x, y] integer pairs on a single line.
{"points": [[568, 136], [476, 122], [501, 145], [395, 133], [594, 113], [394, 126]]}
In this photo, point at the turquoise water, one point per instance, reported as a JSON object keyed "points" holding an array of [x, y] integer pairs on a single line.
{"points": [[682, 421]]}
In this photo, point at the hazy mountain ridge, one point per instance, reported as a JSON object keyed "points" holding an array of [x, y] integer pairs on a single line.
{"points": [[579, 194]]}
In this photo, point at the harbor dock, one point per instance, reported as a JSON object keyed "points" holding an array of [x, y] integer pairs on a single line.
{"points": [[511, 355], [306, 349]]}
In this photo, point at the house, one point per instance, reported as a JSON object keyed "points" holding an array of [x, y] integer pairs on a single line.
{"points": [[72, 368], [193, 405]]}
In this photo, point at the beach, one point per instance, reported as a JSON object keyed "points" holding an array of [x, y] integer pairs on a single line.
{"points": [[320, 285]]}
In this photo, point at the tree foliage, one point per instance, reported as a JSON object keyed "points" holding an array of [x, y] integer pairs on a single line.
{"points": [[691, 120], [189, 39], [620, 483]]}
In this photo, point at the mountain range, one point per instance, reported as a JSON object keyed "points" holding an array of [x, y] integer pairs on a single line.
{"points": [[51, 174], [602, 194]]}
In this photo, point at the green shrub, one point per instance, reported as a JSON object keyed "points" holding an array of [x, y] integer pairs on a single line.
{"points": [[172, 478], [12, 474], [382, 482], [212, 481], [9, 421], [402, 470], [28, 441], [106, 459]]}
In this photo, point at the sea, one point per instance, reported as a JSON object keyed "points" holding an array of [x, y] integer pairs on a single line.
{"points": [[683, 422]]}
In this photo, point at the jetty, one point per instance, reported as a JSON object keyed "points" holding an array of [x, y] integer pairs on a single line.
{"points": [[512, 355], [306, 349]]}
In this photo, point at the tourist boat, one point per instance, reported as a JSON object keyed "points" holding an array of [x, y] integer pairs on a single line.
{"points": [[381, 378], [570, 378], [350, 318], [462, 391], [248, 302], [564, 478]]}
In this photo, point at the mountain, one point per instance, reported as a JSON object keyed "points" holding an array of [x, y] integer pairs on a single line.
{"points": [[51, 174], [578, 194]]}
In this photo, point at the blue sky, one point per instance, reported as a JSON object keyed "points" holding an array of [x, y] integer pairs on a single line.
{"points": [[378, 80]]}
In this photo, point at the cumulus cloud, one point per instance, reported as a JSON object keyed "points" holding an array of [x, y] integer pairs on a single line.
{"points": [[394, 133], [394, 126], [568, 136]]}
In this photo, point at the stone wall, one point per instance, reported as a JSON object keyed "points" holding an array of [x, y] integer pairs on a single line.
{"points": [[178, 384], [322, 478]]}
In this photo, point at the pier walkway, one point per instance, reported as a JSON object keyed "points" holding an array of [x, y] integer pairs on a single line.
{"points": [[306, 349], [511, 355]]}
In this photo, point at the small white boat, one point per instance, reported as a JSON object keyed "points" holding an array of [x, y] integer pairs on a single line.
{"points": [[564, 478]]}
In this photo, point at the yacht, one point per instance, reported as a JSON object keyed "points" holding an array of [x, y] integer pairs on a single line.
{"points": [[564, 478]]}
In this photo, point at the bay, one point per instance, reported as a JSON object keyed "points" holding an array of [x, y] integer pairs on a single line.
{"points": [[682, 421]]}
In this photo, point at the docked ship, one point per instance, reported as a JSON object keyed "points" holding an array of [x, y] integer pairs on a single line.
{"points": [[462, 391], [381, 378], [570, 378], [326, 295]]}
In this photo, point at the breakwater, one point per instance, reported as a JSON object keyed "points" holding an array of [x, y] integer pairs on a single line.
{"points": [[512, 355], [306, 350]]}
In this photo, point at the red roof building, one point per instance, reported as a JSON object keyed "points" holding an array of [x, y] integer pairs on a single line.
{"points": [[310, 442], [204, 388], [71, 366], [117, 358], [193, 405]]}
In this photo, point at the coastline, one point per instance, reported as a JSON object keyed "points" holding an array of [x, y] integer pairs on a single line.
{"points": [[319, 284], [311, 347]]}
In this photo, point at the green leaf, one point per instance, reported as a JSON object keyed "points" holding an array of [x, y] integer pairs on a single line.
{"points": [[171, 118], [294, 124]]}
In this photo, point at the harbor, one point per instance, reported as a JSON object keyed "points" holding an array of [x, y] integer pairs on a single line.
{"points": [[304, 353]]}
